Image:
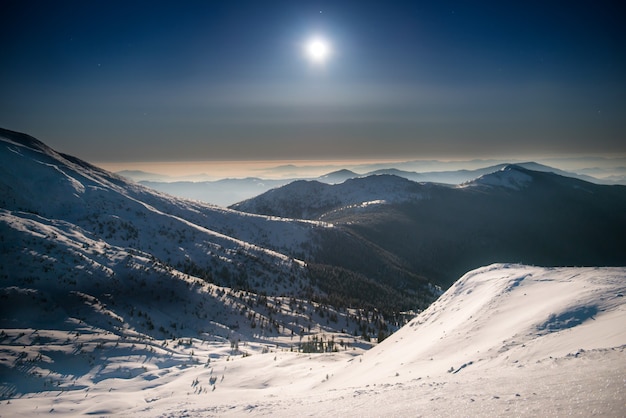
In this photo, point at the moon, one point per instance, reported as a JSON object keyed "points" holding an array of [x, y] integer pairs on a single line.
{"points": [[318, 50]]}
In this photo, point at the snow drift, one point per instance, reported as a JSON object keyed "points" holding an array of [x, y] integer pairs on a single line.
{"points": [[503, 340]]}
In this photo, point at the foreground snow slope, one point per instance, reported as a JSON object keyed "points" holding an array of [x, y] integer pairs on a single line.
{"points": [[503, 314], [503, 340]]}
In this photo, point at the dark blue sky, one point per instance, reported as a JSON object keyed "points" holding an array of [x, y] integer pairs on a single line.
{"points": [[202, 80]]}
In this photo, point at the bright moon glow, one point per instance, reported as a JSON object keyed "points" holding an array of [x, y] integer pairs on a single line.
{"points": [[317, 50]]}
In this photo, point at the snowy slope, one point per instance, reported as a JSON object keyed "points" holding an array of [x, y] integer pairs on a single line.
{"points": [[98, 274], [122, 230], [504, 340], [506, 314], [117, 300], [37, 180]]}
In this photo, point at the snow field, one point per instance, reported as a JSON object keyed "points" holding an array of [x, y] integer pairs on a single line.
{"points": [[504, 340]]}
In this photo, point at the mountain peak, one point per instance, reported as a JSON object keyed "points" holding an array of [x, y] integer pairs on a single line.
{"points": [[511, 176], [343, 172], [338, 176], [310, 199], [24, 140]]}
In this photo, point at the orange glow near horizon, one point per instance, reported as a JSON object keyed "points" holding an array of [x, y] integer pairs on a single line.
{"points": [[239, 169], [285, 169]]}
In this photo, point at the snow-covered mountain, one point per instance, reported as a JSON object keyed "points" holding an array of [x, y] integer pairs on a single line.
{"points": [[46, 188], [110, 222], [226, 192], [441, 231], [463, 176], [503, 340], [119, 300], [510, 176], [314, 200], [81, 247]]}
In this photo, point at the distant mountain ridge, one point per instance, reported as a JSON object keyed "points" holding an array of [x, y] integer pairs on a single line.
{"points": [[226, 192], [303, 199], [510, 176], [439, 231]]}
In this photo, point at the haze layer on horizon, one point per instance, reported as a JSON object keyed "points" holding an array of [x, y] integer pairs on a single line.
{"points": [[601, 166], [155, 81]]}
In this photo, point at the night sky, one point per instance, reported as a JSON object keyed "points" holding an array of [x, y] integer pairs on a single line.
{"points": [[183, 80]]}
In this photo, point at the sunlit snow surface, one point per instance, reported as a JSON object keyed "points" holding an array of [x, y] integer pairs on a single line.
{"points": [[504, 340]]}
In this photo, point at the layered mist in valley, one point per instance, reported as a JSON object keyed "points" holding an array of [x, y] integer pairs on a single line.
{"points": [[229, 191]]}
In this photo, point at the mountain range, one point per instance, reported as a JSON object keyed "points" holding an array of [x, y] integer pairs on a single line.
{"points": [[380, 241], [71, 233], [440, 231], [118, 299], [229, 191]]}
